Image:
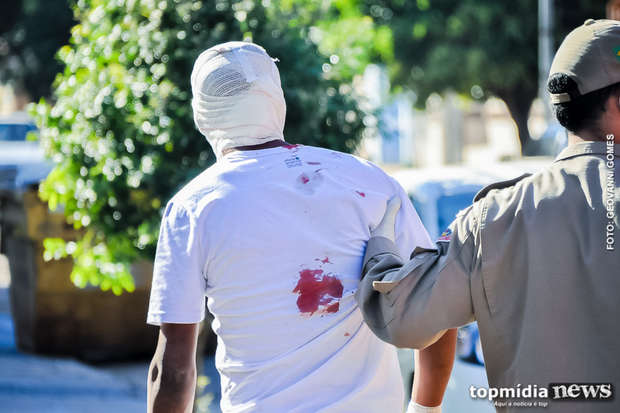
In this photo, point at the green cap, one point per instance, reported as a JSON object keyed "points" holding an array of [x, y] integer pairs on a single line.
{"points": [[590, 55]]}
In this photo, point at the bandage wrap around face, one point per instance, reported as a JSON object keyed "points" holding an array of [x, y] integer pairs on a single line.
{"points": [[237, 96]]}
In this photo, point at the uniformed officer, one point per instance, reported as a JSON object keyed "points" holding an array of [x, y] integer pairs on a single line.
{"points": [[535, 261]]}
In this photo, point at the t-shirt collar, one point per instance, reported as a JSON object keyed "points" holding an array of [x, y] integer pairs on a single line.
{"points": [[586, 148], [257, 153]]}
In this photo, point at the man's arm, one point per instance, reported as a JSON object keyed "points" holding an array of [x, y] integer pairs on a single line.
{"points": [[433, 366], [172, 374], [383, 265], [412, 304]]}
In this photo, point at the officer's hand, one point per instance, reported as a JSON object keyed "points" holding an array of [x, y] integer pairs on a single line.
{"points": [[386, 226]]}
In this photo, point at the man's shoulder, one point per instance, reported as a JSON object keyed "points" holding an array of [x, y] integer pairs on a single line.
{"points": [[536, 196], [192, 195], [547, 183], [336, 155], [508, 185], [353, 162]]}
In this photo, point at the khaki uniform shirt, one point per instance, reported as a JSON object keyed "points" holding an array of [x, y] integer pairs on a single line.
{"points": [[534, 264]]}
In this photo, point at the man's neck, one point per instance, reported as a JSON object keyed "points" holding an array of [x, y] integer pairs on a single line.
{"points": [[586, 137], [266, 145]]}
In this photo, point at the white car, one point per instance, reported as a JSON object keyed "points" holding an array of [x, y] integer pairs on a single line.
{"points": [[439, 193], [22, 162]]}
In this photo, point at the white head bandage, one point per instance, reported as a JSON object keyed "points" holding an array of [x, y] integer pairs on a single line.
{"points": [[237, 96]]}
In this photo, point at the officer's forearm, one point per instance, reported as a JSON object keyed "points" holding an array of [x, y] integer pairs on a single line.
{"points": [[410, 304], [433, 366], [386, 284]]}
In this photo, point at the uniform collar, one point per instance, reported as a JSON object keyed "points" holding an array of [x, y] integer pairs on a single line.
{"points": [[586, 148]]}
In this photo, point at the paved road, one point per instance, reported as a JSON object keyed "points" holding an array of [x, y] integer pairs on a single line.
{"points": [[35, 384], [456, 399], [30, 383]]}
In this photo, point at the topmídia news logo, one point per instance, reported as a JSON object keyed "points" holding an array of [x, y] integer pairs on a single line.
{"points": [[581, 391], [552, 392]]}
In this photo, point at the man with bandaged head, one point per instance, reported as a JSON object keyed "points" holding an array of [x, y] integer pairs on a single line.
{"points": [[273, 235]]}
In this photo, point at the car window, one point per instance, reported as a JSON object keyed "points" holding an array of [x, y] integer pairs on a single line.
{"points": [[449, 205], [421, 209], [15, 132]]}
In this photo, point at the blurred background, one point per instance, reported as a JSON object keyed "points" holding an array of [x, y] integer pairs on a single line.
{"points": [[96, 134]]}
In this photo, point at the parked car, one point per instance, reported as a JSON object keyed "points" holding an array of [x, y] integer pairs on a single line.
{"points": [[22, 162], [438, 194], [552, 141]]}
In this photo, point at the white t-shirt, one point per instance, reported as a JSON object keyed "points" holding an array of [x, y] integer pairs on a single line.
{"points": [[275, 239]]}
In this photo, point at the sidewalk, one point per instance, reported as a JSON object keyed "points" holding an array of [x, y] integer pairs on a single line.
{"points": [[34, 384], [30, 383]]}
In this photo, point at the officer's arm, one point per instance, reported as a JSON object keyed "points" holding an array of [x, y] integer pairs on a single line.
{"points": [[172, 374], [412, 304]]}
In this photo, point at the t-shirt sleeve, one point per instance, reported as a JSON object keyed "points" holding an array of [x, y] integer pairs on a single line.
{"points": [[179, 284], [409, 230]]}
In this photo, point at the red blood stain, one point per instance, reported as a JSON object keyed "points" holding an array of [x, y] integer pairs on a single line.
{"points": [[307, 183], [347, 334], [324, 260], [318, 292], [332, 308], [362, 194], [289, 146], [313, 163]]}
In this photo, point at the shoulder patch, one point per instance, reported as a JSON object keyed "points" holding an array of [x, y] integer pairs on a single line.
{"points": [[498, 185], [445, 236]]}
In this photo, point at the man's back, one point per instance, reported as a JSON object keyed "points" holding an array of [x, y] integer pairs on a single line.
{"points": [[279, 237]]}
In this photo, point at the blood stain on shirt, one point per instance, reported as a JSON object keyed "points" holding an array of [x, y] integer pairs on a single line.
{"points": [[308, 183], [347, 334], [324, 260], [289, 146], [318, 292], [332, 308], [362, 194]]}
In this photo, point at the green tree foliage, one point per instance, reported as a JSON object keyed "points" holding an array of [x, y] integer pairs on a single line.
{"points": [[31, 32], [121, 129], [341, 31], [569, 15], [478, 48]]}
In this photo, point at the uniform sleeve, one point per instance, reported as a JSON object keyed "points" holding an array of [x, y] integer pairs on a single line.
{"points": [[409, 230], [411, 303], [179, 285]]}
